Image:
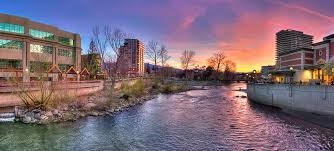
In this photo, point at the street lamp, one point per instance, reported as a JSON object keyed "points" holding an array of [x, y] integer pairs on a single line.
{"points": [[291, 72], [254, 74], [291, 68]]}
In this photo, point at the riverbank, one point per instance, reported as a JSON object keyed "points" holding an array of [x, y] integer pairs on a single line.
{"points": [[102, 103], [192, 120]]}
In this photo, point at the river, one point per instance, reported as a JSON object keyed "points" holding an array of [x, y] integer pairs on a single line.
{"points": [[213, 119]]}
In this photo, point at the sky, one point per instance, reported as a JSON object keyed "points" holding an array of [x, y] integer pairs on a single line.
{"points": [[243, 29]]}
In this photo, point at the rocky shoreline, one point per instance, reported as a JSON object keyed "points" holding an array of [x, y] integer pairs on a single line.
{"points": [[89, 106], [73, 112]]}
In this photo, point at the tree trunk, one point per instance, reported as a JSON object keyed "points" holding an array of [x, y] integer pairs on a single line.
{"points": [[155, 68], [113, 83]]}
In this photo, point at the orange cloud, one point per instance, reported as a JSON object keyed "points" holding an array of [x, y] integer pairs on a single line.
{"points": [[249, 38]]}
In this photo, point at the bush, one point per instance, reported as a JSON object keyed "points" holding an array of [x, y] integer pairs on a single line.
{"points": [[136, 90], [171, 88], [138, 87], [62, 97], [39, 99]]}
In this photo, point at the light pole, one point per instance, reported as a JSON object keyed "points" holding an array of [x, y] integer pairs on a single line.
{"points": [[254, 74], [291, 72]]}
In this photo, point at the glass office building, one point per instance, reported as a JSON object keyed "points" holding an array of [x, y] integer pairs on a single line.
{"points": [[25, 43]]}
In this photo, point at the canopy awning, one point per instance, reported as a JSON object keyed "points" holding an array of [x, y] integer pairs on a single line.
{"points": [[283, 73], [71, 71], [54, 69], [84, 72]]}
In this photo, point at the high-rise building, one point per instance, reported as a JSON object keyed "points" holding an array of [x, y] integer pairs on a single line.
{"points": [[133, 54], [290, 40], [25, 44]]}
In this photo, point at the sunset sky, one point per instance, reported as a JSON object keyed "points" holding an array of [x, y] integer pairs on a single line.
{"points": [[244, 29]]}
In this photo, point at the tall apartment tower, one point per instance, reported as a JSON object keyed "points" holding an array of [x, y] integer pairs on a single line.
{"points": [[133, 52], [289, 40]]}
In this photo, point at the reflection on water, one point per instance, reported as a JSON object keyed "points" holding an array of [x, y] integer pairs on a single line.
{"points": [[213, 119]]}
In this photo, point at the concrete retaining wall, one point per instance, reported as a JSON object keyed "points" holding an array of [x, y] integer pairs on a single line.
{"points": [[8, 97], [314, 99]]}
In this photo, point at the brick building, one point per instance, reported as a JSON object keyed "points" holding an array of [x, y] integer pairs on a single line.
{"points": [[133, 57], [307, 64]]}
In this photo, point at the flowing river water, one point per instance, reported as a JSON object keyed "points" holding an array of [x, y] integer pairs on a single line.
{"points": [[213, 119]]}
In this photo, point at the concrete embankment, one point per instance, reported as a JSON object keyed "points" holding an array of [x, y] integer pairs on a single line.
{"points": [[311, 99]]}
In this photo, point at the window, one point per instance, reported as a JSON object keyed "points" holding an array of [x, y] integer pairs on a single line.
{"points": [[320, 53], [6, 27], [66, 41], [11, 44], [41, 34], [64, 67], [66, 53], [39, 66], [10, 64], [41, 49]]}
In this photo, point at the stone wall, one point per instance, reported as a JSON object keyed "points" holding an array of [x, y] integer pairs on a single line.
{"points": [[314, 99]]}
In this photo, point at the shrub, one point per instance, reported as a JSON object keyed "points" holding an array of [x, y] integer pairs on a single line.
{"points": [[171, 88], [125, 90], [40, 98], [62, 97], [137, 89]]}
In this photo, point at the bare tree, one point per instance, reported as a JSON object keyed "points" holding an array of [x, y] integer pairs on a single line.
{"points": [[187, 60], [229, 69], [217, 60], [152, 54], [164, 57], [100, 44], [115, 38]]}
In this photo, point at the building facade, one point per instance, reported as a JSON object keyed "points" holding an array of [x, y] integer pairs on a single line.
{"points": [[290, 40], [266, 70], [133, 57], [308, 64], [24, 44]]}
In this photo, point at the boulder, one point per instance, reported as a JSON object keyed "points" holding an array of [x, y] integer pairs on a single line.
{"points": [[37, 116], [82, 114], [26, 119], [94, 114], [49, 114], [55, 112], [20, 113], [111, 111], [89, 106]]}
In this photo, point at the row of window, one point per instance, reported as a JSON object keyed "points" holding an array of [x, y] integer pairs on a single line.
{"points": [[66, 41], [66, 53], [11, 44], [64, 67], [39, 67], [10, 64], [41, 34], [34, 65], [35, 33], [18, 45], [12, 28], [41, 49]]}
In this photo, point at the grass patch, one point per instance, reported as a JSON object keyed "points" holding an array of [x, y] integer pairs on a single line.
{"points": [[131, 91]]}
